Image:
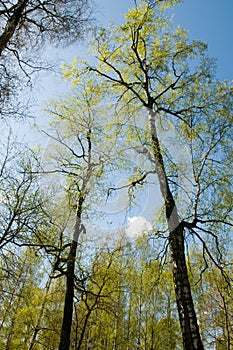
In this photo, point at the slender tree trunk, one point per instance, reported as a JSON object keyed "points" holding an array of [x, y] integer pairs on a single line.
{"points": [[11, 303], [129, 320], [140, 313], [80, 343], [169, 326], [11, 332], [38, 322], [187, 316], [227, 324], [12, 24]]}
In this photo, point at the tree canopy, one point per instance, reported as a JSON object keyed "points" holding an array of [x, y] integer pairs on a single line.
{"points": [[146, 104]]}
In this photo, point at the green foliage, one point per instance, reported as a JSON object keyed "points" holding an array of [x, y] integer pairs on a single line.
{"points": [[145, 64], [126, 302], [124, 297]]}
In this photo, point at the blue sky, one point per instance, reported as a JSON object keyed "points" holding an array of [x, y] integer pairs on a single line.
{"points": [[207, 20]]}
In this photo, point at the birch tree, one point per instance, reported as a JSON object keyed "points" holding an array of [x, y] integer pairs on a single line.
{"points": [[156, 76]]}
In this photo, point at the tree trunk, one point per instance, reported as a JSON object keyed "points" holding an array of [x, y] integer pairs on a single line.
{"points": [[70, 272], [80, 343], [12, 24], [68, 307], [187, 316], [38, 322], [70, 278]]}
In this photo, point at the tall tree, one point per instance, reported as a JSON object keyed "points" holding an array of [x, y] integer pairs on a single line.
{"points": [[156, 76], [76, 154]]}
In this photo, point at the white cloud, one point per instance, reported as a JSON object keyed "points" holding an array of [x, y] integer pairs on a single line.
{"points": [[137, 225]]}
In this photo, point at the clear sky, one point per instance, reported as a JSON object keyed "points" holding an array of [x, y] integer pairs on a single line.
{"points": [[207, 20]]}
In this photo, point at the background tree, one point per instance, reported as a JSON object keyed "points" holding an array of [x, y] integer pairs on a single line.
{"points": [[22, 209], [26, 27], [26, 22], [213, 296], [20, 297], [124, 302]]}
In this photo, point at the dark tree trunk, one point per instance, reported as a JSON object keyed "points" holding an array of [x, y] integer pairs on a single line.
{"points": [[70, 278], [187, 316], [80, 343], [68, 307], [188, 321], [12, 24]]}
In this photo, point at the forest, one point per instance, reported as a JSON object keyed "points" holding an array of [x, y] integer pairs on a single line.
{"points": [[116, 227]]}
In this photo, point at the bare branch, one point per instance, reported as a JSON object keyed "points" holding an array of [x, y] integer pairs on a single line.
{"points": [[132, 184]]}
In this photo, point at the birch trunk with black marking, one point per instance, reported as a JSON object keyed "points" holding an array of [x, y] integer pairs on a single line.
{"points": [[187, 314]]}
